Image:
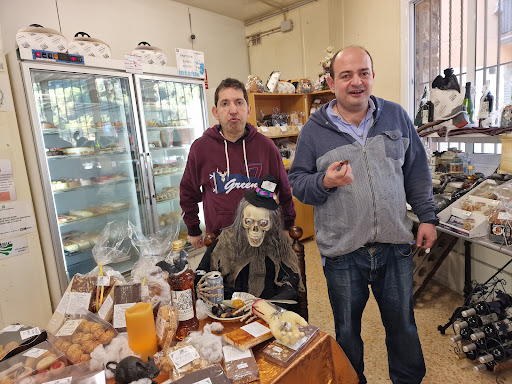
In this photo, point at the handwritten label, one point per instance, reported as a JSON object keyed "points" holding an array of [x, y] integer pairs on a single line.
{"points": [[242, 366], [119, 318], [63, 304], [105, 307], [183, 356], [29, 333], [255, 329], [284, 128], [264, 129], [78, 301]]}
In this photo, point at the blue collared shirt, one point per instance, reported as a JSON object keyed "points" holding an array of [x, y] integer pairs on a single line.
{"points": [[351, 129]]}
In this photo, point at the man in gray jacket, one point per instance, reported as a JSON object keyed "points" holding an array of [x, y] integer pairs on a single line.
{"points": [[358, 161]]}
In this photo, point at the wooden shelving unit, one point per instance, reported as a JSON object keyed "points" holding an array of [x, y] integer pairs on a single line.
{"points": [[267, 104]]}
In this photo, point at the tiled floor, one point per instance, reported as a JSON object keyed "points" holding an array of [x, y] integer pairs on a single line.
{"points": [[433, 307]]}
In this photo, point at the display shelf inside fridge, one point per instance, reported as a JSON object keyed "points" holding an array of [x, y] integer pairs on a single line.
{"points": [[87, 126], [173, 117]]}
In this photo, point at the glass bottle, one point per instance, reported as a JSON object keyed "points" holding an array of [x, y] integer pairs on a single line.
{"points": [[183, 295], [467, 102]]}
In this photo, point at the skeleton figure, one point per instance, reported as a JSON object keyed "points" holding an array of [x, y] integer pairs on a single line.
{"points": [[254, 255]]}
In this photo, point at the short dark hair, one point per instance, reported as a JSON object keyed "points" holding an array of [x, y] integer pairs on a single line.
{"points": [[331, 67], [230, 83]]}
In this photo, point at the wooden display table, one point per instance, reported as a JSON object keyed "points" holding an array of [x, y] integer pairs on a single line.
{"points": [[322, 361]]}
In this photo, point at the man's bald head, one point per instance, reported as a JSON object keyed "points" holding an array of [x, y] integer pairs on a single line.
{"points": [[338, 54]]}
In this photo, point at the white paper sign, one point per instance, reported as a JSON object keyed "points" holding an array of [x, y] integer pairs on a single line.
{"points": [[103, 281], [504, 216], [35, 352], [232, 353], [69, 327], [255, 329], [63, 304], [77, 301], [119, 319], [7, 191], [133, 64], [14, 247], [183, 356], [284, 128], [264, 129], [29, 333], [16, 218], [190, 63], [12, 328], [105, 307]]}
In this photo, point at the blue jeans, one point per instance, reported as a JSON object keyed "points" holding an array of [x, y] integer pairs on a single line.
{"points": [[388, 268]]}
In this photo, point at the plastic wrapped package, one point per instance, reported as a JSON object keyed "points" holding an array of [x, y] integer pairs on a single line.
{"points": [[81, 334], [14, 340], [210, 375], [506, 115], [180, 360], [206, 343], [254, 84], [82, 373], [166, 325], [286, 148], [272, 81], [304, 86], [500, 220], [240, 366], [283, 355], [42, 361]]}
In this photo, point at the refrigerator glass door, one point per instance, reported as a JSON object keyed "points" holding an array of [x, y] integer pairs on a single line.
{"points": [[86, 131], [173, 116]]}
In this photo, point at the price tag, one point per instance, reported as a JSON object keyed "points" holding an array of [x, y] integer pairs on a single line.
{"points": [[35, 352], [232, 353], [119, 318], [65, 380], [277, 349], [183, 356], [284, 128], [29, 333], [255, 329], [69, 327], [103, 281], [467, 213], [12, 328], [264, 129], [242, 366]]}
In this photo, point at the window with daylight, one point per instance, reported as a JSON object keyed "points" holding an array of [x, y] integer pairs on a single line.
{"points": [[474, 37]]}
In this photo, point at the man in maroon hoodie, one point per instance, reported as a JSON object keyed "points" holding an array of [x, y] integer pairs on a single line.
{"points": [[230, 158]]}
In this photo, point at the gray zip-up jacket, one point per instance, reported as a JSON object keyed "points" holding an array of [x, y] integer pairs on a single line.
{"points": [[390, 170]]}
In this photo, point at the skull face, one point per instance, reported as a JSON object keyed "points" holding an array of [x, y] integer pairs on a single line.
{"points": [[256, 223]]}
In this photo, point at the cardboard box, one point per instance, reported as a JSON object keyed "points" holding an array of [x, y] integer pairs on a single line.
{"points": [[454, 216]]}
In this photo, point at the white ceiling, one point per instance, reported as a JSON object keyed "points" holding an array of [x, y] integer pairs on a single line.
{"points": [[244, 10]]}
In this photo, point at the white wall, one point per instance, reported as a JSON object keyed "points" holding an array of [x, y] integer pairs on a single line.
{"points": [[23, 285], [124, 23]]}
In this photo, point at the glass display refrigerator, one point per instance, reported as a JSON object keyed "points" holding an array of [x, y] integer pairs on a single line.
{"points": [[104, 157], [172, 114]]}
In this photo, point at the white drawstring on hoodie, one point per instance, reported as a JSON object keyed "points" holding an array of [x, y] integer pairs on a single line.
{"points": [[227, 156]]}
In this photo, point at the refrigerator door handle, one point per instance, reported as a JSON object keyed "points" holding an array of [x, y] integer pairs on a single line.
{"points": [[149, 171]]}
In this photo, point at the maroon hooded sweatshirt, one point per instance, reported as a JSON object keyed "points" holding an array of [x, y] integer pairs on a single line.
{"points": [[219, 172]]}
